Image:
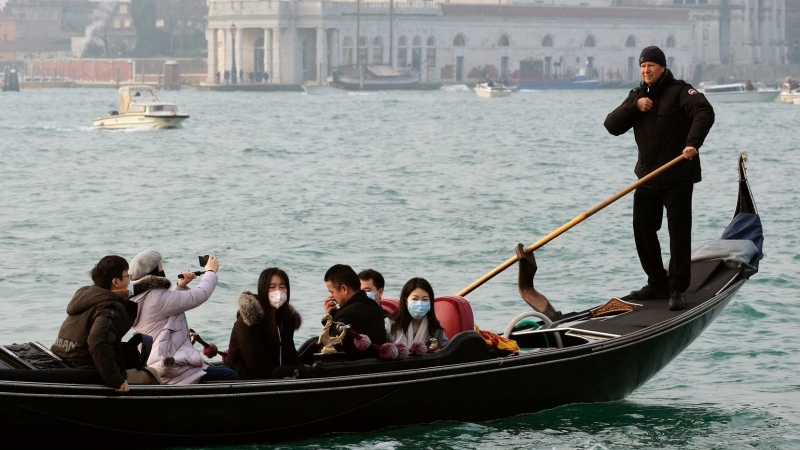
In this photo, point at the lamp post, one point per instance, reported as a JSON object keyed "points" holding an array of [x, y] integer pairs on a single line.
{"points": [[233, 55]]}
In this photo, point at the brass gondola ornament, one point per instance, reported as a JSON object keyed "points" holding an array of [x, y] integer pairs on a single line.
{"points": [[327, 339]]}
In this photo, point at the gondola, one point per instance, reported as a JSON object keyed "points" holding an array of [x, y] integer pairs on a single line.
{"points": [[601, 354]]}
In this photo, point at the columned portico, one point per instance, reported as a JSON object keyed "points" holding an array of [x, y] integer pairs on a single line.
{"points": [[268, 67], [322, 53], [211, 36], [277, 42]]}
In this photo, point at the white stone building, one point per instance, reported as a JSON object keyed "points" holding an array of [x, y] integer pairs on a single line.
{"points": [[296, 41]]}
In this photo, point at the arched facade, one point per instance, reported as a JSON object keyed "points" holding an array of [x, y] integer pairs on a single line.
{"points": [[430, 52], [548, 41], [377, 50], [402, 52], [347, 51]]}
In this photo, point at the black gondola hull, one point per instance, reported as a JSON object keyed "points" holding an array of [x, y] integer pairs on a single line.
{"points": [[294, 409]]}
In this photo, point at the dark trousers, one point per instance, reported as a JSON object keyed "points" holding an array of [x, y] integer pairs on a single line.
{"points": [[219, 373], [648, 211]]}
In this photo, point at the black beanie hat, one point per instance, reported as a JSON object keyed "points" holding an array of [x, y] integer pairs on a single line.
{"points": [[653, 54]]}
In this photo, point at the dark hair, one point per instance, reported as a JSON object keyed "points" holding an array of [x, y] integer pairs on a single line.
{"points": [[107, 269], [272, 316], [402, 317], [343, 275], [374, 275]]}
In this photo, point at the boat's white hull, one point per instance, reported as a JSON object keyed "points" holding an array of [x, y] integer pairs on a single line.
{"points": [[742, 97], [492, 92], [323, 90], [139, 121], [796, 100], [789, 97]]}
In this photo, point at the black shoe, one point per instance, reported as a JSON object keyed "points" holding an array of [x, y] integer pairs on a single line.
{"points": [[649, 292], [677, 301]]}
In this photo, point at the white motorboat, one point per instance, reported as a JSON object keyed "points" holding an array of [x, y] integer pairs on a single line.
{"points": [[788, 94], [323, 88], [139, 107], [740, 93], [492, 90]]}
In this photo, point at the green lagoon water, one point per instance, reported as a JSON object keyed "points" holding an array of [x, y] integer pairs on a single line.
{"points": [[434, 184]]}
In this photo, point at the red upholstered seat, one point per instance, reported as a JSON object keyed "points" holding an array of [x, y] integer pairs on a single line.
{"points": [[389, 305], [454, 313]]}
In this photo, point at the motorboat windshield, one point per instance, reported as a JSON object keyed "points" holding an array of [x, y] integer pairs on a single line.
{"points": [[127, 94]]}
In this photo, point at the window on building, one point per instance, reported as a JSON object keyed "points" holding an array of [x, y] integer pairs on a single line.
{"points": [[671, 62], [504, 41], [430, 55], [547, 41], [347, 51], [459, 41], [631, 41], [377, 50], [670, 42], [705, 34], [691, 2], [363, 49], [123, 8], [589, 41], [416, 53], [402, 52], [677, 2]]}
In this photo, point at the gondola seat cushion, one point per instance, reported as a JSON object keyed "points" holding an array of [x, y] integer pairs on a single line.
{"points": [[454, 313]]}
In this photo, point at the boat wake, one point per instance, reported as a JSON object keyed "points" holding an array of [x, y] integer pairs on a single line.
{"points": [[456, 88]]}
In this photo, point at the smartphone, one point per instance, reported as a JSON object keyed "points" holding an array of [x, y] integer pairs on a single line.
{"points": [[203, 260]]}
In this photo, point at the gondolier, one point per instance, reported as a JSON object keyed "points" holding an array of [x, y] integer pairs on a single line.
{"points": [[669, 118]]}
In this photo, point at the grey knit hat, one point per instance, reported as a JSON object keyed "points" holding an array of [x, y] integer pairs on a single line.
{"points": [[144, 263]]}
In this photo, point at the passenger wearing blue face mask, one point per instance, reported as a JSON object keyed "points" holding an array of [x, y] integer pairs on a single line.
{"points": [[372, 284], [415, 319]]}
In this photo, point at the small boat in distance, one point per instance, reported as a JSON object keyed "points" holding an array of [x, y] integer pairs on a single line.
{"points": [[322, 88], [740, 93], [580, 80], [374, 78], [492, 90], [139, 107], [789, 91]]}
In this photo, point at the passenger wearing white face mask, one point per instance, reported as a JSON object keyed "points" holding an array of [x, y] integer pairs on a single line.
{"points": [[262, 340], [414, 319]]}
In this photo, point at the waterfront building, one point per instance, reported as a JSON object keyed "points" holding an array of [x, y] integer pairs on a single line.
{"points": [[297, 41]]}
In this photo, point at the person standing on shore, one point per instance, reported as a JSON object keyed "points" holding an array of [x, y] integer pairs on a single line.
{"points": [[669, 118]]}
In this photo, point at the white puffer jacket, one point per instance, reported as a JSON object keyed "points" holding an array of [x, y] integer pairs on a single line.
{"points": [[162, 315]]}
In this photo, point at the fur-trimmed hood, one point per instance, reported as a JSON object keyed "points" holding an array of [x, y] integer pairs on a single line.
{"points": [[149, 282], [251, 311]]}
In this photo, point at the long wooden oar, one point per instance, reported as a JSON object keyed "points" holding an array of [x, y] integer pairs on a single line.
{"points": [[569, 225]]}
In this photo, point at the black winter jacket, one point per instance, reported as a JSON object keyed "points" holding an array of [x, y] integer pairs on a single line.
{"points": [[365, 316], [91, 335], [680, 117], [252, 351]]}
